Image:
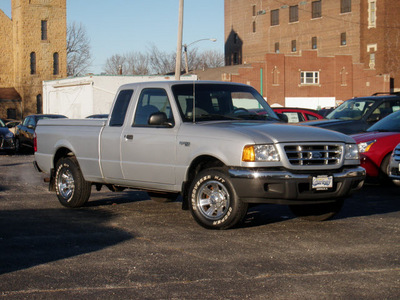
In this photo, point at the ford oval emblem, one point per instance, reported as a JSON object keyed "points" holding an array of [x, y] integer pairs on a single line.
{"points": [[316, 154]]}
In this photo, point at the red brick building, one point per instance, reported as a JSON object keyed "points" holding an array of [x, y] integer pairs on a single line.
{"points": [[314, 49]]}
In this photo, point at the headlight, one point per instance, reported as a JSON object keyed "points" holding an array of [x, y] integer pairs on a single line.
{"points": [[364, 147], [351, 152], [9, 135], [252, 153]]}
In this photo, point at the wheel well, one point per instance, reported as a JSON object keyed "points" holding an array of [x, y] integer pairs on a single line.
{"points": [[62, 152], [199, 164]]}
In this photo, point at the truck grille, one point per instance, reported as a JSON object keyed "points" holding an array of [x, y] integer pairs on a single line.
{"points": [[314, 155]]}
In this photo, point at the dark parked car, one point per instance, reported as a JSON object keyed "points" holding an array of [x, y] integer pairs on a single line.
{"points": [[296, 115], [6, 138], [376, 146], [25, 132], [358, 114]]}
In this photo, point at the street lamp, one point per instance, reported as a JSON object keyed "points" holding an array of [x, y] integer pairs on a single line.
{"points": [[185, 51]]}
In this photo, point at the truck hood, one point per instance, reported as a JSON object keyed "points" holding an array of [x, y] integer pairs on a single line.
{"points": [[261, 132]]}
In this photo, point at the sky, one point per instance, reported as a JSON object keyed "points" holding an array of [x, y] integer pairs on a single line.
{"points": [[122, 26]]}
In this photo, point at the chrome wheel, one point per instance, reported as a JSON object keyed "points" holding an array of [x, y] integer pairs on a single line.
{"points": [[213, 200], [66, 184]]}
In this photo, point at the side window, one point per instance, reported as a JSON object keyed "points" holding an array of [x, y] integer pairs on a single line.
{"points": [[311, 117], [120, 107], [151, 101]]}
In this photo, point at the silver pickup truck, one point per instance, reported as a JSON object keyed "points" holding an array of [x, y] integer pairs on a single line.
{"points": [[219, 145]]}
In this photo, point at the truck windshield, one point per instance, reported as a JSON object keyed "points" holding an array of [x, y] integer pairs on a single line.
{"points": [[207, 101]]}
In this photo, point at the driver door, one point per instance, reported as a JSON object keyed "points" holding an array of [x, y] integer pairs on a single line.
{"points": [[148, 152]]}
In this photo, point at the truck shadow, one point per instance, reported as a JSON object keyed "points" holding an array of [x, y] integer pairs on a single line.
{"points": [[372, 199], [36, 236]]}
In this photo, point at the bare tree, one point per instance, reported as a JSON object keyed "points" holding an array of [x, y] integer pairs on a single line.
{"points": [[78, 50], [137, 63], [211, 59], [161, 62], [116, 65]]}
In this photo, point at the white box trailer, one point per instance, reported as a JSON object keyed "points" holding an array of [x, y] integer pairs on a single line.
{"points": [[79, 97]]}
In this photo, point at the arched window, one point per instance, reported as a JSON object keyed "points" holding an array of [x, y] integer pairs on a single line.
{"points": [[33, 63], [39, 104], [56, 68]]}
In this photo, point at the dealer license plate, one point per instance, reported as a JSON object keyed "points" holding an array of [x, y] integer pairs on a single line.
{"points": [[322, 182]]}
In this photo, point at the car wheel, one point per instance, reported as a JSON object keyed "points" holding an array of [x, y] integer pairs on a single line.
{"points": [[384, 170], [213, 201], [71, 188], [317, 212], [17, 146]]}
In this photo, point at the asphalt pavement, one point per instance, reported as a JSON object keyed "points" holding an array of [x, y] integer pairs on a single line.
{"points": [[126, 246]]}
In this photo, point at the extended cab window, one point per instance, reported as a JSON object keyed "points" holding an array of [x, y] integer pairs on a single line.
{"points": [[152, 100], [120, 108]]}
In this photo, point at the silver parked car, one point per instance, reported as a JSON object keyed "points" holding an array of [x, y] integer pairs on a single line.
{"points": [[394, 165]]}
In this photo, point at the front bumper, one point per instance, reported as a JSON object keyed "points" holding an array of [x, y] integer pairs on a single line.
{"points": [[7, 144], [286, 187]]}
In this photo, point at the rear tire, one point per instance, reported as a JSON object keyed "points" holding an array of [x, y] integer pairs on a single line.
{"points": [[213, 201], [317, 212], [71, 188]]}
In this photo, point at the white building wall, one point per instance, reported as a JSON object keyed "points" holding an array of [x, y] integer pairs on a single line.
{"points": [[310, 102]]}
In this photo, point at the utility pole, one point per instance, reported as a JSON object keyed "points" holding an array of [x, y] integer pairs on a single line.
{"points": [[179, 46]]}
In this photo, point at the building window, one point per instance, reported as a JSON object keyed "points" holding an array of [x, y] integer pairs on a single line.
{"points": [[343, 39], [314, 42], [254, 10], [235, 58], [345, 6], [277, 47], [371, 14], [275, 76], [274, 17], [254, 26], [294, 49], [307, 77], [293, 13], [372, 61], [33, 63], [39, 104], [56, 67], [316, 9], [44, 30]]}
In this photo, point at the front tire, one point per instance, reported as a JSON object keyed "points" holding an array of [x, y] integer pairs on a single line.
{"points": [[317, 212], [213, 201], [71, 188]]}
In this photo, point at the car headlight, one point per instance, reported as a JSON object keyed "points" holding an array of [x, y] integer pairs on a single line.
{"points": [[9, 135], [351, 152], [365, 146], [253, 153]]}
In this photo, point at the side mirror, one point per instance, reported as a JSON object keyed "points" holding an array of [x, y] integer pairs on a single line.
{"points": [[159, 119], [283, 118]]}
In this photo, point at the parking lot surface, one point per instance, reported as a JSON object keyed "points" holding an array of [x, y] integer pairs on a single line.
{"points": [[125, 246]]}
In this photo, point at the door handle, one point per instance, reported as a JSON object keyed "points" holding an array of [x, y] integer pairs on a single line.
{"points": [[128, 137]]}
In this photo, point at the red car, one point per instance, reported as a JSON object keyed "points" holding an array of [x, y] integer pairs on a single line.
{"points": [[377, 144], [296, 115]]}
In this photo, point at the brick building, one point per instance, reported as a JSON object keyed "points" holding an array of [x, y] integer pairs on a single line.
{"points": [[33, 45], [355, 46]]}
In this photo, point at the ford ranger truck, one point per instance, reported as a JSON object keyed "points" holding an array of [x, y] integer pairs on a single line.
{"points": [[218, 145]]}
